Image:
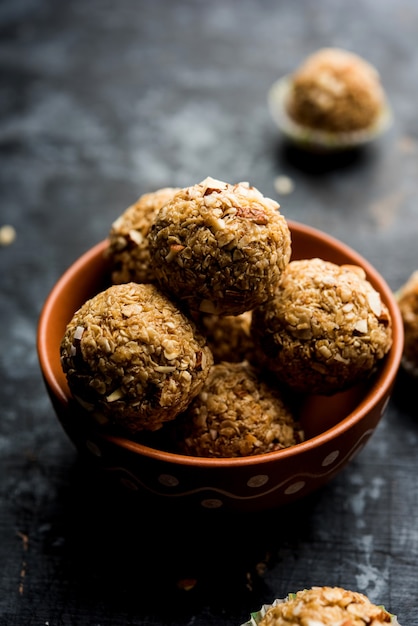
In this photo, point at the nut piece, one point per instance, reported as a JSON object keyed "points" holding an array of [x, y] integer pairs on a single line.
{"points": [[407, 297], [236, 414], [326, 328], [336, 90], [326, 606], [132, 358], [220, 248], [128, 238]]}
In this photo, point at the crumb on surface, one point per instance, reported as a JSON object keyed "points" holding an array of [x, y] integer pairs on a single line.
{"points": [[7, 235], [284, 185]]}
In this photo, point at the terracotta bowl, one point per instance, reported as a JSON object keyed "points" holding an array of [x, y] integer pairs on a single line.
{"points": [[336, 427]]}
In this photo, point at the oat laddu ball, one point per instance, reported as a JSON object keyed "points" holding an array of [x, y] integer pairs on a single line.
{"points": [[326, 328], [128, 238], [326, 606], [407, 298], [220, 248], [228, 336], [236, 414], [132, 358], [336, 90]]}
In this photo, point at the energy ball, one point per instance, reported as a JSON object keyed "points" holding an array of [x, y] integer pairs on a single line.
{"points": [[407, 298], [336, 90], [128, 238], [228, 336], [132, 358], [324, 606], [325, 330], [236, 414], [220, 248]]}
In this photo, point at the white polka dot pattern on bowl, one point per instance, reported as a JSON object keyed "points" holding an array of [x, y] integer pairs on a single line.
{"points": [[93, 448], [330, 458], [257, 481], [168, 480], [212, 503], [258, 486], [295, 487]]}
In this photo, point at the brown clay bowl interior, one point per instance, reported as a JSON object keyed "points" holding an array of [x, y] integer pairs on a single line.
{"points": [[336, 427]]}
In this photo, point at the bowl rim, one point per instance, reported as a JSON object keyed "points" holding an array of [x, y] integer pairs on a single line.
{"points": [[374, 396]]}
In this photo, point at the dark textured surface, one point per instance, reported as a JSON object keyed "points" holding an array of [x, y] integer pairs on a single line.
{"points": [[99, 103]]}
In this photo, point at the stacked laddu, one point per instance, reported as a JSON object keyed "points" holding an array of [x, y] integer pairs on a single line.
{"points": [[209, 328]]}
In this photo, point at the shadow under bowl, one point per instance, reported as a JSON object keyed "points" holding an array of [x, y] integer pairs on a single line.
{"points": [[336, 427]]}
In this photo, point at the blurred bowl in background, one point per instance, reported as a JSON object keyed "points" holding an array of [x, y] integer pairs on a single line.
{"points": [[320, 140]]}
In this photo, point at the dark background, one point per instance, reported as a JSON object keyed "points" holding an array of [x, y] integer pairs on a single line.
{"points": [[101, 102]]}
